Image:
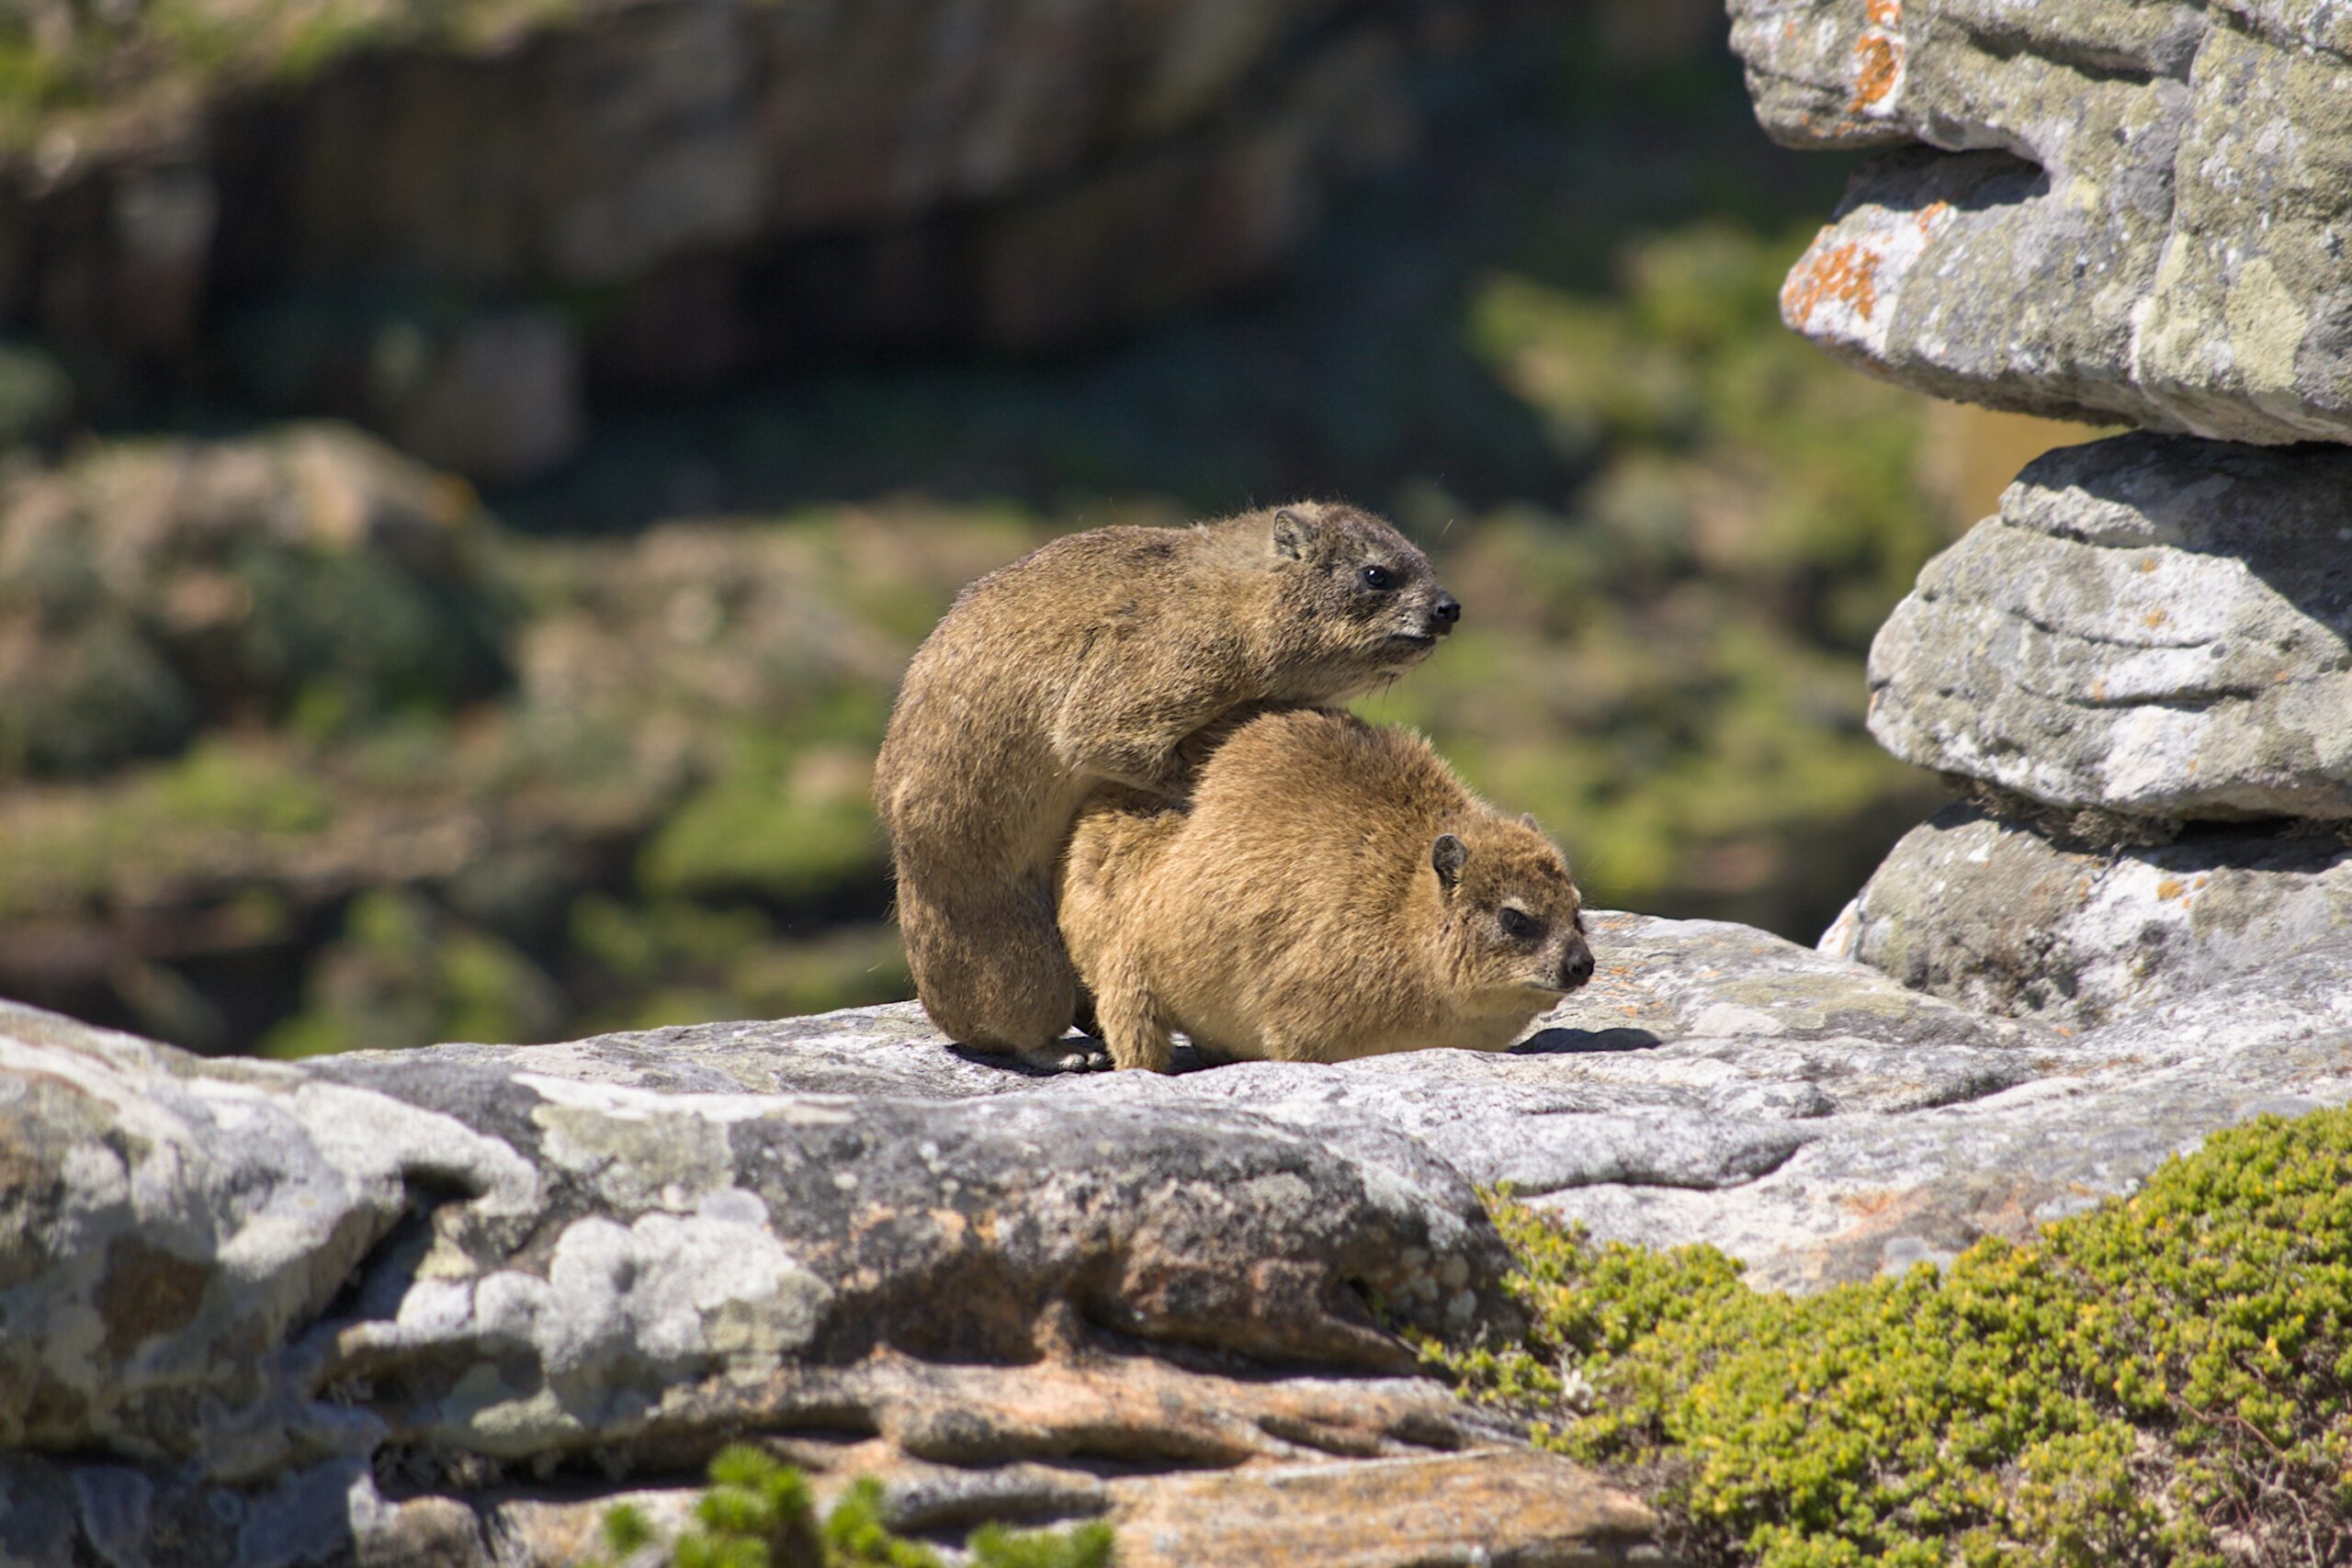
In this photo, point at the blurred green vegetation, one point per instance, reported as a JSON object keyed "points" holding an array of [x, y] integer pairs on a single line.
{"points": [[62, 61], [306, 748], [1665, 670], [758, 1512]]}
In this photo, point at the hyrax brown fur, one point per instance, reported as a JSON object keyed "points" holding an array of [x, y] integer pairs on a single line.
{"points": [[1089, 663], [1332, 892]]}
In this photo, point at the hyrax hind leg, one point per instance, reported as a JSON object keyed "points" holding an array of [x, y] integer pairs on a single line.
{"points": [[1131, 1026], [992, 972]]}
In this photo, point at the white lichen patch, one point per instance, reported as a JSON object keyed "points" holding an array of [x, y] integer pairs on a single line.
{"points": [[376, 1137], [626, 1315], [1731, 1020], [219, 1212], [628, 1101], [2268, 325], [645, 1149]]}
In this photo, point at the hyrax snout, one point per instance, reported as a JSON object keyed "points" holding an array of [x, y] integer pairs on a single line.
{"points": [[1330, 891], [1093, 663]]}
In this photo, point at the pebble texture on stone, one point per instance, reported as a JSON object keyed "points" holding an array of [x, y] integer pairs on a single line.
{"points": [[2106, 209], [450, 1301], [2157, 626]]}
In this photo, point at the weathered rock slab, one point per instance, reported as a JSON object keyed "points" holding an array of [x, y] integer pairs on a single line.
{"points": [[532, 1264], [2104, 209], [2152, 627], [2099, 1110], [262, 1313], [1389, 1511], [449, 1303], [1999, 916]]}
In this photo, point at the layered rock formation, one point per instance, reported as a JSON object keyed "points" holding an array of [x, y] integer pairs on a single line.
{"points": [[450, 1304], [2009, 912], [2102, 210], [2151, 627], [448, 223], [2141, 668], [154, 590]]}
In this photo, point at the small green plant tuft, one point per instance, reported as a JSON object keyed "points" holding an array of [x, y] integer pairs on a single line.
{"points": [[759, 1513], [2164, 1380]]}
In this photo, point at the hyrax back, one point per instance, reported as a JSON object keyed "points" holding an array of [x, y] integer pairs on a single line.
{"points": [[1332, 892], [1091, 662]]}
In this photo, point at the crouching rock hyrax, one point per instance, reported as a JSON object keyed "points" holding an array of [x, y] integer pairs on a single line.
{"points": [[1091, 662], [1332, 892]]}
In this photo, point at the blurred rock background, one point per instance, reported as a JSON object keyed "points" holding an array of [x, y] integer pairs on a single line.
{"points": [[471, 471]]}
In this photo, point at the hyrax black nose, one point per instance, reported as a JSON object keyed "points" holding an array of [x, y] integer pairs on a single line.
{"points": [[1577, 970], [1445, 611]]}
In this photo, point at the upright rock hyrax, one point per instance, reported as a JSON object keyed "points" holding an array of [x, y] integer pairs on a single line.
{"points": [[1332, 892], [1091, 662]]}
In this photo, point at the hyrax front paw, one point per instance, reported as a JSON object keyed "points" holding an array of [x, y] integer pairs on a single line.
{"points": [[1072, 1053]]}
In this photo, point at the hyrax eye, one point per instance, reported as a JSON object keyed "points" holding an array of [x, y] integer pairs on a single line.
{"points": [[1520, 927], [1379, 578]]}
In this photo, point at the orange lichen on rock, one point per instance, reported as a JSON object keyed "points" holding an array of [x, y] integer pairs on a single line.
{"points": [[1846, 273], [1883, 13], [1878, 66]]}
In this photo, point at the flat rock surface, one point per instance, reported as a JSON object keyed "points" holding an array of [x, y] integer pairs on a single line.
{"points": [[1996, 916], [2107, 209], [2094, 1113], [423, 1303], [2152, 627], [408, 1304]]}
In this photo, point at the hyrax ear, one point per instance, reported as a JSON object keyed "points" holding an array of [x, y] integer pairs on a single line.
{"points": [[1448, 855], [1294, 532], [1527, 820]]}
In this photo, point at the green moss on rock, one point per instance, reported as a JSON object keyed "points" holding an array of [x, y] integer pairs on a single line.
{"points": [[2165, 1380]]}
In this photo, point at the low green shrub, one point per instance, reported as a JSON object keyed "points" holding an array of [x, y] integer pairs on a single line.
{"points": [[2165, 1380], [759, 1513]]}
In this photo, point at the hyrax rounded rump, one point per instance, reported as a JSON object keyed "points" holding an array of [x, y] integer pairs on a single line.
{"points": [[1333, 891], [1091, 662]]}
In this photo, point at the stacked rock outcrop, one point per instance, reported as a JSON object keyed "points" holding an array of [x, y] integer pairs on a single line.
{"points": [[2141, 668], [2103, 210]]}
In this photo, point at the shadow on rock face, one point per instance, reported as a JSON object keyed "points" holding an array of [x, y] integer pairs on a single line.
{"points": [[1584, 1042], [1087, 1054]]}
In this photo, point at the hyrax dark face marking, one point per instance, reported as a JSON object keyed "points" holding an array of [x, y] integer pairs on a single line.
{"points": [[1367, 593], [1515, 918]]}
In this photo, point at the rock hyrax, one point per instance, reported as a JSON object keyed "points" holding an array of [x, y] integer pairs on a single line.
{"points": [[1332, 892], [1090, 663]]}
